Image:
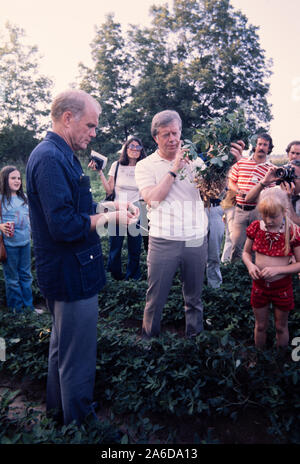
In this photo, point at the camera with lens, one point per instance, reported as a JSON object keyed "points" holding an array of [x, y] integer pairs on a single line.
{"points": [[286, 174]]}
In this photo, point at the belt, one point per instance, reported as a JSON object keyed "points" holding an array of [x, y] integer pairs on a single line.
{"points": [[215, 201], [246, 207]]}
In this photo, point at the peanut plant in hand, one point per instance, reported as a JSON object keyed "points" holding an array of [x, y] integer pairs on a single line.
{"points": [[213, 142]]}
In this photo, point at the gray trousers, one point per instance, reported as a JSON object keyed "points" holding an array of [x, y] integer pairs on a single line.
{"points": [[215, 236], [72, 359], [164, 258]]}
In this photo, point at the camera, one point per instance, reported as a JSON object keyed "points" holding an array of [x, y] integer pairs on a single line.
{"points": [[100, 160], [286, 174]]}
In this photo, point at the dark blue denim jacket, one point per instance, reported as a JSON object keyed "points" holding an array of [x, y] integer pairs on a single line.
{"points": [[68, 255]]}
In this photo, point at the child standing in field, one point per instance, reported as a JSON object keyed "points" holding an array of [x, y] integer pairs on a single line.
{"points": [[15, 228], [275, 240]]}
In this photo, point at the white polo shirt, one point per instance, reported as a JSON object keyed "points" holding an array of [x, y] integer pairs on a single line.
{"points": [[181, 215]]}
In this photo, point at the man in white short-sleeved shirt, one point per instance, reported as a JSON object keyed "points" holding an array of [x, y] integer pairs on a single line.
{"points": [[178, 226]]}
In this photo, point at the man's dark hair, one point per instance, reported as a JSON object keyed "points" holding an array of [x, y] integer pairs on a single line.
{"points": [[294, 142], [265, 136]]}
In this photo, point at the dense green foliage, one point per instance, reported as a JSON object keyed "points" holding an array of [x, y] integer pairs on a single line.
{"points": [[213, 143], [199, 57], [24, 91], [16, 144], [151, 393]]}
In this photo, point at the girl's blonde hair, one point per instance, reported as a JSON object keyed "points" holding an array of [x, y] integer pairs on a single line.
{"points": [[273, 201]]}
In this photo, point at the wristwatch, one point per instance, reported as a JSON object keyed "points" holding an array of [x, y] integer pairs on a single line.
{"points": [[173, 174]]}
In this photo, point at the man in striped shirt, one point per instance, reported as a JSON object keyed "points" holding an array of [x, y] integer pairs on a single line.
{"points": [[244, 175]]}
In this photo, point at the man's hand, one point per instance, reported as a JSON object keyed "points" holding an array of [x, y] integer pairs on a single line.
{"points": [[115, 212], [123, 212], [270, 176], [237, 149], [180, 159], [127, 206], [289, 188], [122, 216]]}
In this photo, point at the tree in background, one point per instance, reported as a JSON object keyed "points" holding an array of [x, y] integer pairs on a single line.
{"points": [[200, 57], [16, 144], [24, 93], [110, 82]]}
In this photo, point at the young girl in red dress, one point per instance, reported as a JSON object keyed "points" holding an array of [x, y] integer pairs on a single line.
{"points": [[275, 240]]}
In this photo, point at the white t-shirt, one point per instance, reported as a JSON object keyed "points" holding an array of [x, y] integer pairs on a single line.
{"points": [[181, 215], [125, 188]]}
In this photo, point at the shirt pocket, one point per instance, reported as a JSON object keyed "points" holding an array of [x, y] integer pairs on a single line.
{"points": [[90, 261]]}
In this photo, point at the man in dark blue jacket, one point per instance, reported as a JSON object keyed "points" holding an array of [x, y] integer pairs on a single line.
{"points": [[68, 252]]}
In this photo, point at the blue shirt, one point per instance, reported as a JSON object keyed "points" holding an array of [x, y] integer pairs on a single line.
{"points": [[17, 211], [68, 254]]}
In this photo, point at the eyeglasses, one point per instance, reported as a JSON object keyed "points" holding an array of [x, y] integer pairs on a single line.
{"points": [[135, 147]]}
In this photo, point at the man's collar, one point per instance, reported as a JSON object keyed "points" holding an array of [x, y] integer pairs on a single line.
{"points": [[161, 158], [61, 144]]}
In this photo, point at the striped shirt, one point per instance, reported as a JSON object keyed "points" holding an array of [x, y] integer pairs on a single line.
{"points": [[246, 173]]}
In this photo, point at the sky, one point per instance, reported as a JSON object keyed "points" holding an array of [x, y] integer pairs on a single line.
{"points": [[64, 29]]}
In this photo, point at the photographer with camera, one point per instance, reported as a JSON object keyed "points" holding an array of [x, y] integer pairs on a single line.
{"points": [[293, 150], [288, 177]]}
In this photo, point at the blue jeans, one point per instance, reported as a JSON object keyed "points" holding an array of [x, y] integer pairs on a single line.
{"points": [[18, 278], [134, 242]]}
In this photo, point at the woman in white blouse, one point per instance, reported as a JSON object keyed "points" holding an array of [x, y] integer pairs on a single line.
{"points": [[126, 190]]}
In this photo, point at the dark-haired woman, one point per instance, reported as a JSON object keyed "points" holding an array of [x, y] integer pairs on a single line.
{"points": [[126, 191], [15, 228]]}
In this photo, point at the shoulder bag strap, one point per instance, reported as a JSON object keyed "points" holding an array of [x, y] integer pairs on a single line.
{"points": [[116, 172]]}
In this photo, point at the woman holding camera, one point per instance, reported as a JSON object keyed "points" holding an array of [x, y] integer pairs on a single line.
{"points": [[124, 185]]}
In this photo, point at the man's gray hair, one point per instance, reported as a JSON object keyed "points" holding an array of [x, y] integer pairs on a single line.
{"points": [[74, 101], [164, 118]]}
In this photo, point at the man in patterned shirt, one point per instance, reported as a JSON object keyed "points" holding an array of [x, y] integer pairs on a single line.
{"points": [[244, 175]]}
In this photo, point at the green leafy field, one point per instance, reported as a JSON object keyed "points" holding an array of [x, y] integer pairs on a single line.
{"points": [[179, 390], [215, 388]]}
